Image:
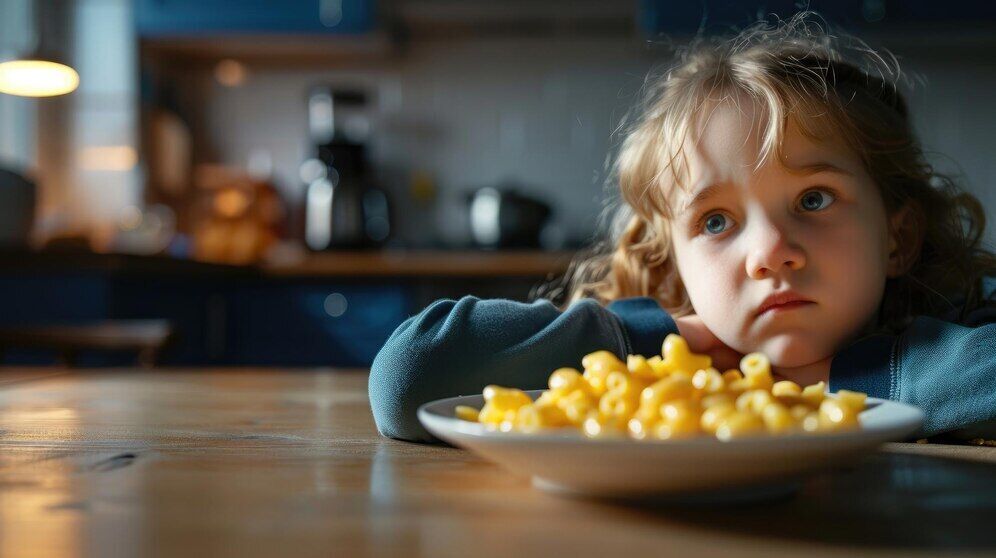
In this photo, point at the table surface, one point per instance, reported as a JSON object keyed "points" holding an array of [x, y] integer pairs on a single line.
{"points": [[263, 462]]}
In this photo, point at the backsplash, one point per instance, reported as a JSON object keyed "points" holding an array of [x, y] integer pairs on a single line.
{"points": [[541, 113], [470, 114]]}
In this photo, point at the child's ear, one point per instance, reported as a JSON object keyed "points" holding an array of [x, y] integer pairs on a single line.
{"points": [[905, 239]]}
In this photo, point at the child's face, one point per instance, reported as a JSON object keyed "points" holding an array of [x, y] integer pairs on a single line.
{"points": [[820, 231]]}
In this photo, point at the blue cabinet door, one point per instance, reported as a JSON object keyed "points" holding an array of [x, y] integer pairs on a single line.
{"points": [[162, 18], [315, 324], [196, 309], [676, 17], [43, 299], [680, 17]]}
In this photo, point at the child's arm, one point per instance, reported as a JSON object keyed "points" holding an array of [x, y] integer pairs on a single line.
{"points": [[946, 369], [457, 347]]}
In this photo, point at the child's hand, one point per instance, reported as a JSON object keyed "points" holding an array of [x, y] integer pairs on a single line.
{"points": [[701, 340]]}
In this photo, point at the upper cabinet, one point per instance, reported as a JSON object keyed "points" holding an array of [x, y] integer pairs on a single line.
{"points": [[190, 18], [677, 17]]}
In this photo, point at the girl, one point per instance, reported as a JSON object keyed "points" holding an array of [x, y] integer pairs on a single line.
{"points": [[774, 199]]}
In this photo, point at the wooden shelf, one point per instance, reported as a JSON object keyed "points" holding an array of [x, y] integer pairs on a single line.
{"points": [[521, 263], [298, 50]]}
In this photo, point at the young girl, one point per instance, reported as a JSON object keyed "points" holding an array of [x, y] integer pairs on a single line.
{"points": [[774, 199]]}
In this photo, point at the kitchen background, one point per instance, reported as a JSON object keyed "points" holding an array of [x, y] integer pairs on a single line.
{"points": [[267, 182]]}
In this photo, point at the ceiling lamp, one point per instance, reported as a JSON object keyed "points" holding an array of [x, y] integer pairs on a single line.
{"points": [[37, 78], [37, 73]]}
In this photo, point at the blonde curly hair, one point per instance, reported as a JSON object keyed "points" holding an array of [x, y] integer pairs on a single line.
{"points": [[828, 85]]}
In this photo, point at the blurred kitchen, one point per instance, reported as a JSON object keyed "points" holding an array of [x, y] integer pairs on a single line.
{"points": [[264, 182]]}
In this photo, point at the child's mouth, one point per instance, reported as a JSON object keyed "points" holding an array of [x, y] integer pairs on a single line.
{"points": [[785, 307]]}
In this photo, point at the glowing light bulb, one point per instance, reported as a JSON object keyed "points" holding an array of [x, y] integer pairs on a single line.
{"points": [[37, 78]]}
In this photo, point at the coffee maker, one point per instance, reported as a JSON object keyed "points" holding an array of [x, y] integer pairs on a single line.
{"points": [[343, 209]]}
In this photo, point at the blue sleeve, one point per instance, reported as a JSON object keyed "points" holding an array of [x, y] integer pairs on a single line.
{"points": [[456, 347], [947, 369]]}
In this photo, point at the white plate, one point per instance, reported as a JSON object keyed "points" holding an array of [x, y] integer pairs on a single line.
{"points": [[565, 461]]}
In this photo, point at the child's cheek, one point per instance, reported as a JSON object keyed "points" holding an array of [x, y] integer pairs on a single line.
{"points": [[713, 288]]}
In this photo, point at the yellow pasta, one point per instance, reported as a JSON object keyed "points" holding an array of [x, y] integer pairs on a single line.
{"points": [[713, 399], [577, 405], [505, 399], [565, 380], [617, 403], [837, 415], [777, 419], [669, 389], [640, 427], [467, 413], [639, 367], [674, 395], [714, 415], [731, 375], [597, 367], [708, 381], [757, 371], [814, 394], [679, 419], [597, 426], [738, 425], [853, 399]]}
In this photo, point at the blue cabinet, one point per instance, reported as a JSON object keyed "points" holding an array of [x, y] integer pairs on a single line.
{"points": [[677, 17], [219, 321], [165, 18], [315, 323], [44, 299]]}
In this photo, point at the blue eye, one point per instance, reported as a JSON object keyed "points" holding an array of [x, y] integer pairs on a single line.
{"points": [[815, 200], [716, 223]]}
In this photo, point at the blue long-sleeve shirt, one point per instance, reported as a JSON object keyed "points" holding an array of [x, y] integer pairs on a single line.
{"points": [[456, 347]]}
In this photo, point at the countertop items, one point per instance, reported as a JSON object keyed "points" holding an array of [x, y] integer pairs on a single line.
{"points": [[262, 462]]}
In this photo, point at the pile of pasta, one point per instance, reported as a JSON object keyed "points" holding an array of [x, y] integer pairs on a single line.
{"points": [[672, 396]]}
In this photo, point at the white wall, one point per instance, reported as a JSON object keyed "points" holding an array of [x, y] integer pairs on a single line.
{"points": [[104, 112], [955, 116], [17, 114]]}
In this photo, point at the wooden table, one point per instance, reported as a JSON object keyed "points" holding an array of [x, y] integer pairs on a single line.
{"points": [[258, 462]]}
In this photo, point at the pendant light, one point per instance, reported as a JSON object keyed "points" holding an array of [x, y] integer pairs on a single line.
{"points": [[38, 72]]}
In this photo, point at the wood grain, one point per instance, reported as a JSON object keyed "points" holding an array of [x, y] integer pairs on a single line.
{"points": [[256, 462]]}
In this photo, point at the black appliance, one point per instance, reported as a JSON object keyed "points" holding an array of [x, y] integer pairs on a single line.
{"points": [[343, 209], [502, 217]]}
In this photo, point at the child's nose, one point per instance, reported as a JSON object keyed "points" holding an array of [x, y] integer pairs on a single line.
{"points": [[771, 250]]}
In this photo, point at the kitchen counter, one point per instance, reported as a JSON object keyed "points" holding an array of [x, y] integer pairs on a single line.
{"points": [[462, 263], [373, 263], [274, 462], [29, 262]]}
